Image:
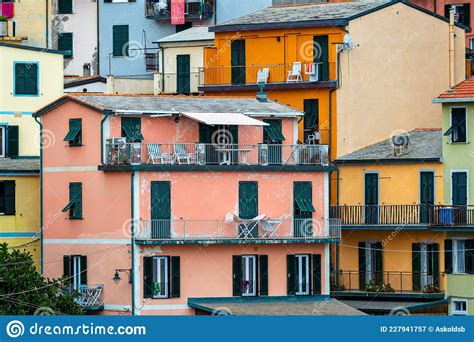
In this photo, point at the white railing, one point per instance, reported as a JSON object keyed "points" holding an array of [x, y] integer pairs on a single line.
{"points": [[215, 154], [289, 228], [89, 296]]}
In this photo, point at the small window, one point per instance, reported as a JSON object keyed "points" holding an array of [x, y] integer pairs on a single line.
{"points": [[64, 6], [65, 44], [132, 129], [303, 197], [160, 277], [302, 274], [459, 256], [120, 40], [74, 136], [75, 270], [74, 206], [7, 198], [249, 275], [459, 307], [26, 79], [458, 128]]}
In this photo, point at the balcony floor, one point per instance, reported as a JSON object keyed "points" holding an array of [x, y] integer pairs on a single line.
{"points": [[227, 241], [197, 167], [268, 86]]}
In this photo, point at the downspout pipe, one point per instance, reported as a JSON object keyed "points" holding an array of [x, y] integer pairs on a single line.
{"points": [[41, 195], [133, 230], [451, 49], [47, 23]]}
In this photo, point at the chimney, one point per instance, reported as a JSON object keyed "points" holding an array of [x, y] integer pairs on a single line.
{"points": [[451, 48], [262, 95]]}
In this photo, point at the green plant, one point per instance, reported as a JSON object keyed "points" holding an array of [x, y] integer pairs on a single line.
{"points": [[375, 286], [23, 291], [337, 287], [430, 289], [2, 18]]}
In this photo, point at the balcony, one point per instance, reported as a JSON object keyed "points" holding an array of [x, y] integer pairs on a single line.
{"points": [[161, 9], [387, 282], [272, 76], [237, 231], [434, 216], [90, 296], [174, 155]]}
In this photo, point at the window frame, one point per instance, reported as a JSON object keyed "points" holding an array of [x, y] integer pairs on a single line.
{"points": [[77, 141], [454, 311], [157, 271], [246, 260], [37, 79], [455, 251], [451, 135], [66, 55], [299, 273], [451, 185], [3, 138]]}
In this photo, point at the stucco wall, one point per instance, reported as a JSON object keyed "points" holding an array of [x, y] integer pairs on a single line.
{"points": [[460, 286], [389, 79], [458, 156], [124, 85], [34, 30]]}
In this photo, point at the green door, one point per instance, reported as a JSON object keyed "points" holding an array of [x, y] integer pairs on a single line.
{"points": [[183, 74], [426, 195], [302, 209], [371, 198], [459, 196], [160, 210], [272, 135], [248, 205], [237, 60], [321, 56]]}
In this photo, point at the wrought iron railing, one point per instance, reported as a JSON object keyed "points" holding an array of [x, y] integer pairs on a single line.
{"points": [[452, 215], [266, 229], [152, 61], [90, 296], [216, 154], [387, 281], [161, 9]]}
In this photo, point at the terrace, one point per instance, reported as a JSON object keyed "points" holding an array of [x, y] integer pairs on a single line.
{"points": [[193, 9]]}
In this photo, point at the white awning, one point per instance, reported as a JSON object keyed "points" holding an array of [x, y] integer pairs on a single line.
{"points": [[213, 119]]}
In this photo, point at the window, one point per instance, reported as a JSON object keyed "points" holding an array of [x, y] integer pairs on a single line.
{"points": [[459, 307], [311, 121], [75, 270], [26, 79], [74, 136], [462, 13], [64, 6], [249, 275], [458, 128], [7, 198], [425, 266], [120, 40], [65, 44], [304, 274], [162, 277], [9, 141], [74, 205], [2, 141], [471, 43], [303, 197], [459, 254], [132, 129]]}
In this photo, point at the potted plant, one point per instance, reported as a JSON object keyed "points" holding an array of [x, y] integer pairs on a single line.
{"points": [[3, 26]]}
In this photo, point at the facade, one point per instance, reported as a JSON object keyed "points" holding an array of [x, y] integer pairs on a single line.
{"points": [[331, 68], [189, 199], [85, 84], [35, 79], [74, 31], [181, 55], [457, 106]]}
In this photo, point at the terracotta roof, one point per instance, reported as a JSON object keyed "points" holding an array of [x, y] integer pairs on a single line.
{"points": [[464, 91]]}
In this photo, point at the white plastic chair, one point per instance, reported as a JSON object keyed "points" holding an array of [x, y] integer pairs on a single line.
{"points": [[262, 76], [180, 154], [270, 227], [294, 75], [155, 154]]}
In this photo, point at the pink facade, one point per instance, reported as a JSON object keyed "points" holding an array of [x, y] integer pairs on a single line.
{"points": [[88, 232]]}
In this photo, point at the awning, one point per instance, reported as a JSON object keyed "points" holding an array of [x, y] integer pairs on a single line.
{"points": [[69, 206], [213, 119], [72, 134]]}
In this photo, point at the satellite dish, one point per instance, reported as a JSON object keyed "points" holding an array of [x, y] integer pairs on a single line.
{"points": [[348, 42]]}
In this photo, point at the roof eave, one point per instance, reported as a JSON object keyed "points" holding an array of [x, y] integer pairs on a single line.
{"points": [[453, 99], [270, 26], [60, 101], [387, 161]]}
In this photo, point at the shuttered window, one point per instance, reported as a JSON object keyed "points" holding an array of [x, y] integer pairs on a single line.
{"points": [[64, 6], [248, 200], [26, 79], [74, 206], [65, 44], [7, 197], [459, 256], [458, 128], [13, 141], [120, 40], [303, 197], [132, 129], [162, 277], [304, 274], [75, 270], [273, 133], [74, 135], [249, 275]]}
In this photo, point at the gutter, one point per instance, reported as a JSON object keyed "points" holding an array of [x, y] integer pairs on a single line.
{"points": [[41, 195]]}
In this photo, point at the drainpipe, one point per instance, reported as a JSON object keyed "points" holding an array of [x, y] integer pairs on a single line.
{"points": [[98, 39], [162, 68], [106, 113], [41, 195], [47, 23], [133, 230], [451, 48]]}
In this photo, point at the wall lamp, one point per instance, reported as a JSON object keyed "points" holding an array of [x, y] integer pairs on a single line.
{"points": [[117, 278]]}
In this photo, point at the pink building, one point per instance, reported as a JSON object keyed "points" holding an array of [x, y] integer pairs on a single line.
{"points": [[159, 205]]}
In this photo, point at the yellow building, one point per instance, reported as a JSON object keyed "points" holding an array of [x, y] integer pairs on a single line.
{"points": [[391, 245], [35, 78]]}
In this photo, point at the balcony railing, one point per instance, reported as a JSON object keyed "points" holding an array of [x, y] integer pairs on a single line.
{"points": [[387, 282], [259, 74], [404, 214], [90, 296], [265, 229], [215, 154], [161, 9], [152, 62]]}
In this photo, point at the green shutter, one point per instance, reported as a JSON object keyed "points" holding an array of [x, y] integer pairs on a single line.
{"points": [[147, 277], [161, 200], [263, 275], [362, 266], [9, 189], [316, 270], [65, 44], [378, 262], [26, 79], [75, 196], [204, 133], [83, 269], [303, 194], [291, 277], [321, 55], [175, 277], [132, 128], [64, 6], [459, 188], [120, 40], [67, 268], [448, 256], [416, 267], [469, 255], [236, 275], [74, 135], [13, 141], [435, 249], [248, 200]]}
